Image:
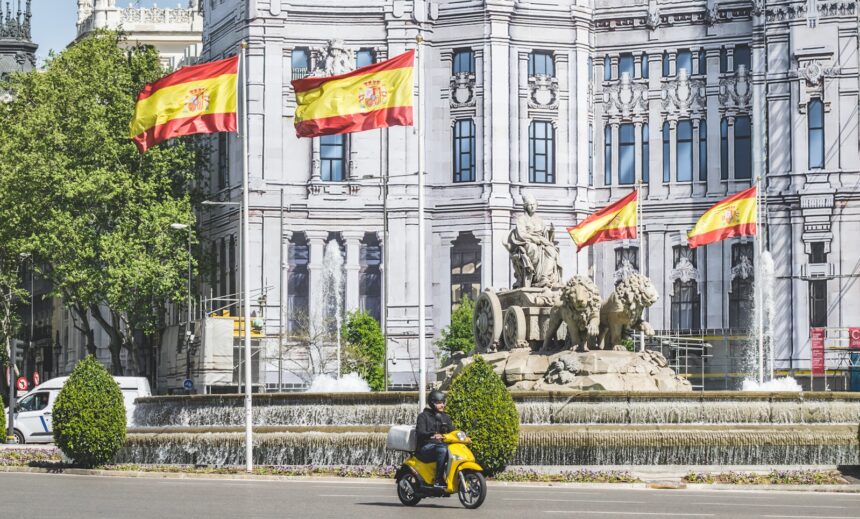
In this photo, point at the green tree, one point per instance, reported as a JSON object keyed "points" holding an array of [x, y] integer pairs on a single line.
{"points": [[364, 348], [459, 335], [95, 213], [480, 404], [89, 415]]}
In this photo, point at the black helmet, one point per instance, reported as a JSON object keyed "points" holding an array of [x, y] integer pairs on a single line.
{"points": [[435, 397]]}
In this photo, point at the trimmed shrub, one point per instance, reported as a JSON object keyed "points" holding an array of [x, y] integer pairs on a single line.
{"points": [[480, 404], [89, 415], [365, 349], [459, 335]]}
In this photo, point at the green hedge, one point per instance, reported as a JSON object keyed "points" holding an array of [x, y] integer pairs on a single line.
{"points": [[478, 396], [89, 415]]}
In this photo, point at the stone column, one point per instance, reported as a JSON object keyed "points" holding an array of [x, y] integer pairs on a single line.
{"points": [[656, 188], [522, 128], [316, 246], [352, 267]]}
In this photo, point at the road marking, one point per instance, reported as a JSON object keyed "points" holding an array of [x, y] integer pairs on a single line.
{"points": [[352, 495], [661, 514], [575, 500], [807, 517], [770, 506]]}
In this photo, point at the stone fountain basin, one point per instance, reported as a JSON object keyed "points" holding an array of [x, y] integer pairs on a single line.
{"points": [[684, 444], [534, 408]]}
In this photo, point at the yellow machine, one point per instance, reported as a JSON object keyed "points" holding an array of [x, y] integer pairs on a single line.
{"points": [[465, 476]]}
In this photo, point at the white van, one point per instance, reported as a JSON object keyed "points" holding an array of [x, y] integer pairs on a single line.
{"points": [[33, 417]]}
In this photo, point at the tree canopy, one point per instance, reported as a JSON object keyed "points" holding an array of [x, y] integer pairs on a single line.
{"points": [[76, 194], [459, 335]]}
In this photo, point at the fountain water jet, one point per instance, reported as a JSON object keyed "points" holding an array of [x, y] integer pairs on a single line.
{"points": [[328, 308]]}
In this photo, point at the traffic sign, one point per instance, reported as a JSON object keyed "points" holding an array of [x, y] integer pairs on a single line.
{"points": [[22, 384], [36, 378], [854, 338], [188, 384]]}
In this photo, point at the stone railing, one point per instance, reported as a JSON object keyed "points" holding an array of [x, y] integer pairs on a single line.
{"points": [[156, 15]]}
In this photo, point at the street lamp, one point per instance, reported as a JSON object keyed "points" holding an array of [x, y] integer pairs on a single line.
{"points": [[188, 335]]}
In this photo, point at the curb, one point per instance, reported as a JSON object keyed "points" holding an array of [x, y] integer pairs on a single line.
{"points": [[652, 485]]}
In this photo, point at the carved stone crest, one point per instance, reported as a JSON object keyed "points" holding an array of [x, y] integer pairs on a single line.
{"points": [[683, 95], [626, 98], [736, 92], [652, 21], [462, 89], [684, 272], [712, 14], [336, 59], [813, 72], [543, 92], [744, 269]]}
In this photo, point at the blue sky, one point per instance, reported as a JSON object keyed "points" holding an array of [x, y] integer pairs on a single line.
{"points": [[53, 24]]}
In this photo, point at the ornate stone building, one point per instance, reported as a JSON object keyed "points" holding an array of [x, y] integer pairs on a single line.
{"points": [[573, 102], [17, 50], [175, 32]]}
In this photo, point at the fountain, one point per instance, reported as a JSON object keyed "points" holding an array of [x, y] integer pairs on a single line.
{"points": [[328, 305], [569, 412]]}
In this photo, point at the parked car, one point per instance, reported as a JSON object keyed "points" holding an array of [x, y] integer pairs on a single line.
{"points": [[33, 416]]}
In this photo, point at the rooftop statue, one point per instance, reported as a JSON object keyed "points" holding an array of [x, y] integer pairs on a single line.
{"points": [[533, 251]]}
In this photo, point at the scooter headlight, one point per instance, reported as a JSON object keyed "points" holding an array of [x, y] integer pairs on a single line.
{"points": [[461, 436]]}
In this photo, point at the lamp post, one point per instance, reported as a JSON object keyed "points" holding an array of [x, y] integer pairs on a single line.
{"points": [[188, 335]]}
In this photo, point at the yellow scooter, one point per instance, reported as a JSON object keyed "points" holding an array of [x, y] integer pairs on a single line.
{"points": [[465, 476]]}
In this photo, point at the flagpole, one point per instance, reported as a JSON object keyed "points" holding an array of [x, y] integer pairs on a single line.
{"points": [[246, 271], [422, 346], [759, 280], [641, 236]]}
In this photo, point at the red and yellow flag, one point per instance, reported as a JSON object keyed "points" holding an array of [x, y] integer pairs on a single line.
{"points": [[614, 222], [730, 217], [375, 96], [196, 99]]}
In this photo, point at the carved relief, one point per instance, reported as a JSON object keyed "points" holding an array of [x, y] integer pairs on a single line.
{"points": [[335, 59], [543, 92], [813, 72], [683, 95], [801, 10], [462, 88], [712, 15], [684, 272], [624, 272], [744, 269], [625, 98], [736, 92], [652, 21]]}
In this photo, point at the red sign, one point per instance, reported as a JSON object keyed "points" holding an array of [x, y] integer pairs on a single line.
{"points": [[36, 378], [854, 338], [22, 384], [817, 336]]}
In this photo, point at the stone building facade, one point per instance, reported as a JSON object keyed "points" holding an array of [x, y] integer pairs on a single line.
{"points": [[573, 102]]}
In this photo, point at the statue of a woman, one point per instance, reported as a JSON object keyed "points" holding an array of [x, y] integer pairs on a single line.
{"points": [[533, 252]]}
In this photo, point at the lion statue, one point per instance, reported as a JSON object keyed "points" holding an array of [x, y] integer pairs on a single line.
{"points": [[579, 309], [623, 309]]}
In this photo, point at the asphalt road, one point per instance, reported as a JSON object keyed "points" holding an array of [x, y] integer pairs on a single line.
{"points": [[87, 497]]}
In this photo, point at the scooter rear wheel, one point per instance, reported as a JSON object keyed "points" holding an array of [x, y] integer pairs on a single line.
{"points": [[473, 493], [407, 486]]}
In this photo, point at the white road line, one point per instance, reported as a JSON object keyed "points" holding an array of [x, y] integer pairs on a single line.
{"points": [[770, 506], [661, 514], [353, 495], [816, 517], [575, 500]]}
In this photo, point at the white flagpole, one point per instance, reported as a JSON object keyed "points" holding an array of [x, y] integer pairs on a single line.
{"points": [[641, 236], [759, 280], [246, 270], [422, 340]]}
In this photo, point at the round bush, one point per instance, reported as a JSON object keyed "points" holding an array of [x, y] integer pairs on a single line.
{"points": [[480, 404], [89, 415]]}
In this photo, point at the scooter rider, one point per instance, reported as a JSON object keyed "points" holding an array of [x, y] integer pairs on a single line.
{"points": [[432, 424]]}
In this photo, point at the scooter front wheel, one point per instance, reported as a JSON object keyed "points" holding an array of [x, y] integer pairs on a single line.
{"points": [[407, 486], [473, 493]]}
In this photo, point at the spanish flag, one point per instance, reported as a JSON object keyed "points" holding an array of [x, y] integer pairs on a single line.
{"points": [[615, 222], [375, 96], [196, 99], [733, 216]]}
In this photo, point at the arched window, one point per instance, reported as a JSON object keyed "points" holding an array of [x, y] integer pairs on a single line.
{"points": [[464, 150], [703, 150], [646, 154], [607, 155], [645, 66], [741, 297], [370, 276], [607, 68], [666, 153], [686, 300], [684, 60], [665, 64], [684, 162], [743, 148], [465, 268], [625, 64], [703, 61], [626, 154], [541, 152], [815, 117], [300, 63]]}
